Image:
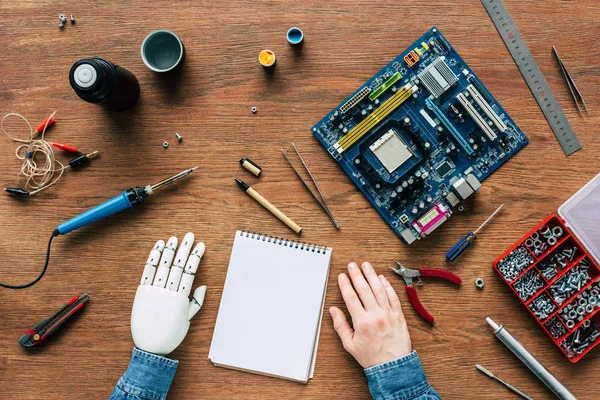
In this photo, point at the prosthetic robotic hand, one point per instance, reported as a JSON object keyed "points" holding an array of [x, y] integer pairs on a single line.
{"points": [[162, 310]]}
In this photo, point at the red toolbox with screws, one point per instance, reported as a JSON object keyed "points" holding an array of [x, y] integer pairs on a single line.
{"points": [[554, 270]]}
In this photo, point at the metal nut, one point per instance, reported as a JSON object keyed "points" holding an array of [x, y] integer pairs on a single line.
{"points": [[165, 144], [479, 283]]}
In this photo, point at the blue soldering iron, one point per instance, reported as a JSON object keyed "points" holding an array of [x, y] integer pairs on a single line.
{"points": [[129, 198]]}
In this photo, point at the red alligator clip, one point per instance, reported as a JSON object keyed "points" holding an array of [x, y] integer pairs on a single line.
{"points": [[409, 274]]}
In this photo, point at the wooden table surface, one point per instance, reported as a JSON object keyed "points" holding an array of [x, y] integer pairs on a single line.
{"points": [[346, 42]]}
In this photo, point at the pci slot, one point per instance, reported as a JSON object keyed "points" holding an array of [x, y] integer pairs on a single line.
{"points": [[361, 94], [374, 118], [385, 86], [438, 113], [482, 123], [487, 109]]}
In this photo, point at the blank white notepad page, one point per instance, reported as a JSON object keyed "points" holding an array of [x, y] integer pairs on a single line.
{"points": [[271, 307]]}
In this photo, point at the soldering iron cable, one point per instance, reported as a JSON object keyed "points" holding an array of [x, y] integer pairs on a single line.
{"points": [[41, 275]]}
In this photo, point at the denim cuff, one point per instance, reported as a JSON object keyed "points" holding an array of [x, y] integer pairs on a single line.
{"points": [[148, 376], [400, 379]]}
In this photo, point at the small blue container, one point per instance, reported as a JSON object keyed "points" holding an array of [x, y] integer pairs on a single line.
{"points": [[295, 36]]}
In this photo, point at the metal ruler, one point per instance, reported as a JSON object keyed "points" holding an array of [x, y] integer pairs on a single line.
{"points": [[533, 76]]}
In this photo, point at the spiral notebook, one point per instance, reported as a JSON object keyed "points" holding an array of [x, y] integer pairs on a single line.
{"points": [[270, 315]]}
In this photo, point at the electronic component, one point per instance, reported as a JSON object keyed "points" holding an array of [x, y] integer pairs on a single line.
{"points": [[484, 105], [354, 100], [479, 120], [411, 154], [452, 199], [462, 188], [432, 219], [391, 151], [385, 86], [444, 169], [479, 88], [461, 141], [411, 59], [408, 236], [437, 77], [373, 119], [473, 182]]}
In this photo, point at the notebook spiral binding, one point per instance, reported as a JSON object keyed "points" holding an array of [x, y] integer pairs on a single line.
{"points": [[315, 248]]}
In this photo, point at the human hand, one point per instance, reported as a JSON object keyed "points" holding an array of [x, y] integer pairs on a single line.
{"points": [[380, 333], [161, 315]]}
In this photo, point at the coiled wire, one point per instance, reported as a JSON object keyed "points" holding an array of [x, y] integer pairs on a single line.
{"points": [[40, 167]]}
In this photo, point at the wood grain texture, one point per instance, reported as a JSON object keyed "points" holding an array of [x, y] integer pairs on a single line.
{"points": [[346, 42]]}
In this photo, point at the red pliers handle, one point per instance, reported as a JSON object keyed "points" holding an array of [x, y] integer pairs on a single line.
{"points": [[409, 274]]}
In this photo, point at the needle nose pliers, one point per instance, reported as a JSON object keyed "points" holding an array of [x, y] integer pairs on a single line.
{"points": [[409, 274]]}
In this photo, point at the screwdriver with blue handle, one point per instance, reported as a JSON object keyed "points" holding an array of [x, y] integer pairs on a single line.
{"points": [[464, 243], [129, 198]]}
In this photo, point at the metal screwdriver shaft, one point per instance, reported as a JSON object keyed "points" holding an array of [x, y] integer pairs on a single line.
{"points": [[507, 385], [464, 243]]}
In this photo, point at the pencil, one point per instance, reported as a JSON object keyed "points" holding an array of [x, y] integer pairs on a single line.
{"points": [[266, 204]]}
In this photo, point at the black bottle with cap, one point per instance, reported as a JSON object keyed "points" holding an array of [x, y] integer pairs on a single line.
{"points": [[99, 81]]}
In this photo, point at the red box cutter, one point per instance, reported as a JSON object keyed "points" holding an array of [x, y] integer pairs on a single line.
{"points": [[37, 334], [409, 274]]}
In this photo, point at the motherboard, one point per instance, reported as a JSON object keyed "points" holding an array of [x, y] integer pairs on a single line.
{"points": [[420, 136]]}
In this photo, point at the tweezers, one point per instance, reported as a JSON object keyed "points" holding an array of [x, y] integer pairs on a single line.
{"points": [[575, 93], [322, 202]]}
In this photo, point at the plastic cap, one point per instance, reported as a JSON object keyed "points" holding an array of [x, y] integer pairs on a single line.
{"points": [[266, 58], [492, 323], [295, 35], [85, 75]]}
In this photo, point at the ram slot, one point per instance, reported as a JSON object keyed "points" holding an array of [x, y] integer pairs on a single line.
{"points": [[438, 113], [476, 117], [487, 109], [374, 118]]}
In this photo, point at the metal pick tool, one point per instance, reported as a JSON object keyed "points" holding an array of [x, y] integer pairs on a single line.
{"points": [[508, 386]]}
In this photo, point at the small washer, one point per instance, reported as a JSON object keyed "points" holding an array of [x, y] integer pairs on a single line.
{"points": [[479, 283], [461, 208], [165, 144], [557, 231], [253, 109], [570, 324], [552, 240]]}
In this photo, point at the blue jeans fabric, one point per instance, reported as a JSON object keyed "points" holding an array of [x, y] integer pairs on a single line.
{"points": [[149, 377], [401, 379]]}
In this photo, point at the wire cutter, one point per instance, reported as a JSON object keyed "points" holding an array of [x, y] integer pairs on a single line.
{"points": [[36, 335], [409, 274]]}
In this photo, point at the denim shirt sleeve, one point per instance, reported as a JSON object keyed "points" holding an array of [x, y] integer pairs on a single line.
{"points": [[400, 379], [148, 377]]}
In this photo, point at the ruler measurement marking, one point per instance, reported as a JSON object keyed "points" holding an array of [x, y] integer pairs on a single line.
{"points": [[533, 75]]}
